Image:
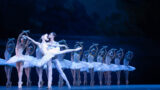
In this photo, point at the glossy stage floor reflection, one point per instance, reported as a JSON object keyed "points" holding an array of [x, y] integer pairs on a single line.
{"points": [[112, 87]]}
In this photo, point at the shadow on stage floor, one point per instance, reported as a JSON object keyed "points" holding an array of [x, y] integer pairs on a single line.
{"points": [[112, 87]]}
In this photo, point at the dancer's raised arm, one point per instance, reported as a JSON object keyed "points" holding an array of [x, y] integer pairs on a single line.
{"points": [[20, 35], [92, 46]]}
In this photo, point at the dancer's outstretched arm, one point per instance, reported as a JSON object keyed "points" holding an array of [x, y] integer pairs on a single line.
{"points": [[60, 45], [35, 42]]}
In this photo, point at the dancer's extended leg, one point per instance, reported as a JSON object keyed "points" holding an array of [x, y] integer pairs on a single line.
{"points": [[58, 66]]}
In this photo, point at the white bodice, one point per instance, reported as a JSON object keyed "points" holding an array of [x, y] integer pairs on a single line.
{"points": [[117, 61], [76, 57], [108, 60], [125, 62], [90, 58], [100, 59], [19, 50]]}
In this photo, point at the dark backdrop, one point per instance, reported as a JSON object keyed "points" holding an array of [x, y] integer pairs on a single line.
{"points": [[129, 24]]}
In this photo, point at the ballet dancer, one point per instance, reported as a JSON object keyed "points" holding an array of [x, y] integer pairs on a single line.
{"points": [[76, 65], [30, 49], [100, 59], [93, 49], [108, 58], [118, 58], [7, 54], [127, 58], [20, 46], [84, 69]]}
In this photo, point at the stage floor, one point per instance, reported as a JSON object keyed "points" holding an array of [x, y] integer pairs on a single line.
{"points": [[112, 87]]}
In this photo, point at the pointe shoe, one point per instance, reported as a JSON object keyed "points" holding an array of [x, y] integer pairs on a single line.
{"points": [[29, 83], [74, 83], [118, 83], [109, 83], [84, 83], [40, 84], [79, 82], [62, 83], [20, 84], [8, 84], [92, 83], [100, 83], [49, 85], [127, 82], [59, 84]]}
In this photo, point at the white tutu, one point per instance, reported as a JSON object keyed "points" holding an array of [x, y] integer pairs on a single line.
{"points": [[4, 62], [102, 67], [76, 65], [93, 64], [16, 58], [66, 64], [85, 66], [114, 67], [28, 64], [128, 68], [44, 59]]}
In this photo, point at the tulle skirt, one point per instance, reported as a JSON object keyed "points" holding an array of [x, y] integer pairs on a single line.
{"points": [[76, 65], [65, 64], [85, 66], [16, 58], [4, 62], [128, 68]]}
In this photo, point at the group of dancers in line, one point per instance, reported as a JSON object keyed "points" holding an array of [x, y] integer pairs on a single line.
{"points": [[51, 54]]}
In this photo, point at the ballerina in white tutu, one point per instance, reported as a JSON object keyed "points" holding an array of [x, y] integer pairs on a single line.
{"points": [[128, 57], [93, 49], [109, 57], [100, 59], [20, 46], [76, 65], [30, 49], [7, 54], [85, 69], [118, 58]]}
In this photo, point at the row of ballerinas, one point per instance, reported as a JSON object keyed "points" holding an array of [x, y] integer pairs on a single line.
{"points": [[100, 61], [50, 54]]}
